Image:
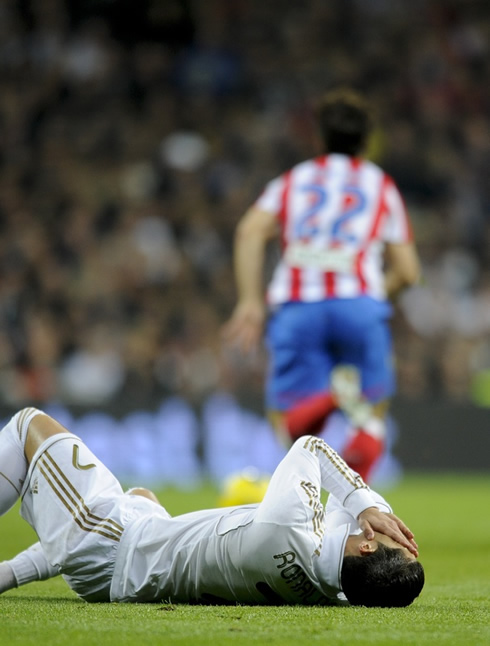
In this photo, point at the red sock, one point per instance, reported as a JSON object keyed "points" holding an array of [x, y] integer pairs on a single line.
{"points": [[362, 452], [309, 415]]}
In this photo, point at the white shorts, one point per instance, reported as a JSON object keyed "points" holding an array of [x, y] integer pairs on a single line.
{"points": [[79, 512]]}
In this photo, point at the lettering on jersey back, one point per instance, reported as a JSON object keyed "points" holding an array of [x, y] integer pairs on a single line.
{"points": [[297, 579]]}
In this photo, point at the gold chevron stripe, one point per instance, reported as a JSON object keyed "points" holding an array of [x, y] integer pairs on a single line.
{"points": [[318, 511]]}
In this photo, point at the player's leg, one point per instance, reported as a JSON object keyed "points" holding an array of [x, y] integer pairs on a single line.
{"points": [[69, 497], [76, 506], [32, 565], [26, 439], [29, 565], [365, 343], [367, 443], [13, 462], [298, 400], [308, 416], [41, 427], [144, 493]]}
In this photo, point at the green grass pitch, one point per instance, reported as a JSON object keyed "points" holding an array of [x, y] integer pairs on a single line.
{"points": [[448, 513]]}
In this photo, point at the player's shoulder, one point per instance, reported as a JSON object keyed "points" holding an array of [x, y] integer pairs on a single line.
{"points": [[338, 163], [308, 163], [374, 171], [369, 166], [303, 169], [333, 163], [290, 174], [298, 168]]}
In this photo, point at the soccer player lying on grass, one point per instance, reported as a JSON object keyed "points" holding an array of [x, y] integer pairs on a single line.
{"points": [[116, 546]]}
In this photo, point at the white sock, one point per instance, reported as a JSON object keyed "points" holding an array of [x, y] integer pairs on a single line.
{"points": [[375, 427], [13, 463], [7, 578], [31, 565]]}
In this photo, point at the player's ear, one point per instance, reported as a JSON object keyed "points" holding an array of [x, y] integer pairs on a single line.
{"points": [[367, 547]]}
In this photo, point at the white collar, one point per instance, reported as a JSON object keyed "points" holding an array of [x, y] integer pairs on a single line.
{"points": [[328, 565]]}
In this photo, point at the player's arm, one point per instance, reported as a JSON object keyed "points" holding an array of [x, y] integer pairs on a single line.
{"points": [[373, 520], [32, 565], [402, 267], [353, 493], [256, 228], [379, 518], [334, 504], [402, 264]]}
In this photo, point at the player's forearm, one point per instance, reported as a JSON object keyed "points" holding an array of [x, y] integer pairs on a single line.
{"points": [[403, 268], [339, 479], [254, 231], [334, 504], [249, 266]]}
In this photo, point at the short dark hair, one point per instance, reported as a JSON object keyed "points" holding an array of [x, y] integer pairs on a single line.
{"points": [[345, 120], [385, 578]]}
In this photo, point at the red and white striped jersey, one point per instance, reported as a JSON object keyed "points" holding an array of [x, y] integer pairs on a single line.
{"points": [[335, 213]]}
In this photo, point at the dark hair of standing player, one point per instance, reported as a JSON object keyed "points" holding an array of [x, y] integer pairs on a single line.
{"points": [[345, 120]]}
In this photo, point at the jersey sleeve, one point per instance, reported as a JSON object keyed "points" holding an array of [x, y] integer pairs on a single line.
{"points": [[335, 506], [339, 479], [397, 227], [270, 199]]}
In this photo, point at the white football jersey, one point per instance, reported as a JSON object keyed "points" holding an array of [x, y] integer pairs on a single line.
{"points": [[335, 213], [283, 550], [109, 545]]}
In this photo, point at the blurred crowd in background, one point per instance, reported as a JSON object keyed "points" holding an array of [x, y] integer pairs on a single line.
{"points": [[135, 133]]}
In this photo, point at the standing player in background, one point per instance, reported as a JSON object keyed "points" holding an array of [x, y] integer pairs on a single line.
{"points": [[346, 250]]}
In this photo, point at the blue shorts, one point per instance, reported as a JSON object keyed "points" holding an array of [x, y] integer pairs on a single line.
{"points": [[306, 340]]}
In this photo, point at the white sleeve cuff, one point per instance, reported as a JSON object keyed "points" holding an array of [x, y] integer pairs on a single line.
{"points": [[381, 503], [359, 500]]}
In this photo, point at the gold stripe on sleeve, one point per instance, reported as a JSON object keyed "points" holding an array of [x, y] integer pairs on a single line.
{"points": [[316, 503], [315, 444]]}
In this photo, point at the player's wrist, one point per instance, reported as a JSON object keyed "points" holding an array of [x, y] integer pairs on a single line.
{"points": [[358, 501]]}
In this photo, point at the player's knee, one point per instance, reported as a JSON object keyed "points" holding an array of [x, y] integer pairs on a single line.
{"points": [[24, 416], [21, 421], [143, 492], [38, 427]]}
